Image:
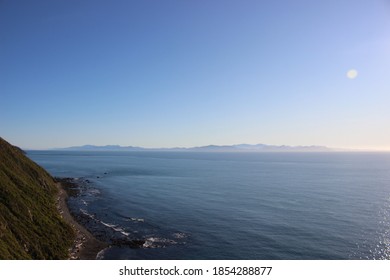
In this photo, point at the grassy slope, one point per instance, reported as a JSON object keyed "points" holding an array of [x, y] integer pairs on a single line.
{"points": [[30, 225]]}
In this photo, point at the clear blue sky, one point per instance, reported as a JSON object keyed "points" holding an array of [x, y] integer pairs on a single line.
{"points": [[190, 73]]}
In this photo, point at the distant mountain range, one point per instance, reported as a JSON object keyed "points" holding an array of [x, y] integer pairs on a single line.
{"points": [[209, 148]]}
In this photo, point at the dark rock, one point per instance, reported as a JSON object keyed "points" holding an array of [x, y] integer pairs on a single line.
{"points": [[134, 244]]}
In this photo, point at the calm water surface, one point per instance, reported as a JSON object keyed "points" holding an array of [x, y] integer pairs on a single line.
{"points": [[232, 205]]}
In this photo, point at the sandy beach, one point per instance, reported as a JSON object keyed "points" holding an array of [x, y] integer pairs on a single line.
{"points": [[86, 246]]}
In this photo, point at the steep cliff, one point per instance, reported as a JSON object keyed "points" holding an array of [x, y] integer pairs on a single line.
{"points": [[30, 224]]}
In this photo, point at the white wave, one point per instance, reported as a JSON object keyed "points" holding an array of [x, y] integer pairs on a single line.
{"points": [[87, 214], [100, 255], [180, 235], [115, 228], [108, 225], [93, 192], [157, 242], [137, 220], [122, 231]]}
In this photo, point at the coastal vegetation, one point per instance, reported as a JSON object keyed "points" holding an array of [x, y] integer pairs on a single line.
{"points": [[30, 224]]}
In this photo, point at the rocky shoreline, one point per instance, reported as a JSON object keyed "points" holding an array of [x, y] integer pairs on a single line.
{"points": [[86, 246]]}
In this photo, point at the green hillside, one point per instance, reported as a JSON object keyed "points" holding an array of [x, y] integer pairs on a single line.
{"points": [[30, 225]]}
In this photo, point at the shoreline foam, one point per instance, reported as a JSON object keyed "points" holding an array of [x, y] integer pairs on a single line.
{"points": [[86, 246]]}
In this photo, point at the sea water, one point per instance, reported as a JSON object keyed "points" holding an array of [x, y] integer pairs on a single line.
{"points": [[187, 205]]}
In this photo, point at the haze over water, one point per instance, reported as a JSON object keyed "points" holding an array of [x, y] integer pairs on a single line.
{"points": [[232, 205]]}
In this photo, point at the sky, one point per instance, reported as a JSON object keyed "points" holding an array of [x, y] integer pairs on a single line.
{"points": [[192, 73]]}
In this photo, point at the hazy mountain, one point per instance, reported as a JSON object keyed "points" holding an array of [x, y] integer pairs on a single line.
{"points": [[261, 148], [102, 148], [209, 148]]}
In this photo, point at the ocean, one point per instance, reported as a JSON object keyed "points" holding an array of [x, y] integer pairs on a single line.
{"points": [[199, 205]]}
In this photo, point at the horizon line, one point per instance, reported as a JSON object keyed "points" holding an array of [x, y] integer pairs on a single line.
{"points": [[329, 149]]}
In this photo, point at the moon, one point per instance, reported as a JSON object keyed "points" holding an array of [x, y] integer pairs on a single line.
{"points": [[352, 74]]}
